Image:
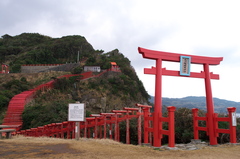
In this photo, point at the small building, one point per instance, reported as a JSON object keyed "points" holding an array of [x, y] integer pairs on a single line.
{"points": [[115, 67], [92, 68], [4, 69]]}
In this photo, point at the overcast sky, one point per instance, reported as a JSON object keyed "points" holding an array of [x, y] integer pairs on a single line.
{"points": [[195, 27]]}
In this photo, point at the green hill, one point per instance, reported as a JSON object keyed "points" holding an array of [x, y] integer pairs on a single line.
{"points": [[112, 90], [33, 48]]}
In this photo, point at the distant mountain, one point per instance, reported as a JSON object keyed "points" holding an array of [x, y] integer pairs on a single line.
{"points": [[220, 105]]}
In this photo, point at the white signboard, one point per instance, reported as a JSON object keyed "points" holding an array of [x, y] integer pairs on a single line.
{"points": [[76, 112], [234, 120]]}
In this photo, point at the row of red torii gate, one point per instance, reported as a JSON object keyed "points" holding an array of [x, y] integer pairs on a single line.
{"points": [[106, 125], [96, 126]]}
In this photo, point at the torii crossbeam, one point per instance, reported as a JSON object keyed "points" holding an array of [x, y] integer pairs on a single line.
{"points": [[185, 61]]}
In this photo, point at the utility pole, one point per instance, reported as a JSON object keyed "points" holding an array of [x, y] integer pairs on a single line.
{"points": [[78, 57]]}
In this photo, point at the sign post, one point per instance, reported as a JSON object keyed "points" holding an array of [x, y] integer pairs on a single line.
{"points": [[234, 119], [232, 124], [76, 112]]}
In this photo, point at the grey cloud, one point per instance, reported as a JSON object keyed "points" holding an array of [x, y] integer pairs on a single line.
{"points": [[125, 25], [226, 53]]}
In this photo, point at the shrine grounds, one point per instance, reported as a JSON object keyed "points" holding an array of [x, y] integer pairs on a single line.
{"points": [[51, 148]]}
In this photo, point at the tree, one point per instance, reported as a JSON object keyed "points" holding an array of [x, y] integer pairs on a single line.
{"points": [[6, 36]]}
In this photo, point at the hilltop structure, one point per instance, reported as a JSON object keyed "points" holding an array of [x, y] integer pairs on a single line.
{"points": [[4, 69], [36, 68]]}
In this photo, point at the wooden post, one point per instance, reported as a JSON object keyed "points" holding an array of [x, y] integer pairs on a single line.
{"points": [[195, 123], [210, 106], [95, 128], [139, 126], [105, 126], [232, 124], [77, 130], [85, 129], [110, 130], [127, 129], [171, 128], [146, 125], [157, 124]]}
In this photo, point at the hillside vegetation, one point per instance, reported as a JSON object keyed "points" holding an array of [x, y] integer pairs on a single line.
{"points": [[33, 48], [112, 90]]}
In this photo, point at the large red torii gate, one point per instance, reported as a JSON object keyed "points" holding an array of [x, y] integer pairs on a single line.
{"points": [[158, 71]]}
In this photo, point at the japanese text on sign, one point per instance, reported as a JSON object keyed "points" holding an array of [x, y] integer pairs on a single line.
{"points": [[185, 62], [234, 120], [76, 112]]}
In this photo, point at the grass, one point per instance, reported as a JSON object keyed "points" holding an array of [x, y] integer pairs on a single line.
{"points": [[29, 147]]}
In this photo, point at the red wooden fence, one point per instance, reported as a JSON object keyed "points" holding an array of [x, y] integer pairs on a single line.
{"points": [[96, 126], [230, 119]]}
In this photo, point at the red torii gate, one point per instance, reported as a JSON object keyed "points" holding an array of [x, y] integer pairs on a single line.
{"points": [[158, 71]]}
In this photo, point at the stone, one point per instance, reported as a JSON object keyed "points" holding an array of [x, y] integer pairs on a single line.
{"points": [[171, 148], [189, 146], [194, 141]]}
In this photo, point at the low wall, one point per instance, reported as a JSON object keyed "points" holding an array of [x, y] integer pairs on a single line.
{"points": [[47, 67]]}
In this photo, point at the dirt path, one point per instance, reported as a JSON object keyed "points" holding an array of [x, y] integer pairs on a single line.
{"points": [[26, 147]]}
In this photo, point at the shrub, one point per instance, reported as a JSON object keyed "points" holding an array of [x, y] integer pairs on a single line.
{"points": [[17, 86], [62, 84], [3, 101], [77, 70], [42, 114]]}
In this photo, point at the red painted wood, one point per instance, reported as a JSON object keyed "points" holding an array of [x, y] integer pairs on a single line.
{"points": [[158, 71], [175, 57]]}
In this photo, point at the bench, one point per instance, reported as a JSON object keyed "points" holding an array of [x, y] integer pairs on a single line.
{"points": [[8, 132], [3, 129]]}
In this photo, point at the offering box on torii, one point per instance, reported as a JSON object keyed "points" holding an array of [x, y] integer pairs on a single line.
{"points": [[158, 71]]}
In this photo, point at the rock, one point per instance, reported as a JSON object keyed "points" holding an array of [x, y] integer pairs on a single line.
{"points": [[192, 148], [171, 148], [189, 146], [193, 141]]}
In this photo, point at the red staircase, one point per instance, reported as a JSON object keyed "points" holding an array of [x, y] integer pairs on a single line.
{"points": [[15, 109]]}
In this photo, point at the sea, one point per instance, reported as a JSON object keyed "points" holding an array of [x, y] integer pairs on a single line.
{"points": [[238, 115]]}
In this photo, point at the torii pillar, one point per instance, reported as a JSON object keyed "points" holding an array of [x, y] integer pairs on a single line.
{"points": [[185, 61]]}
